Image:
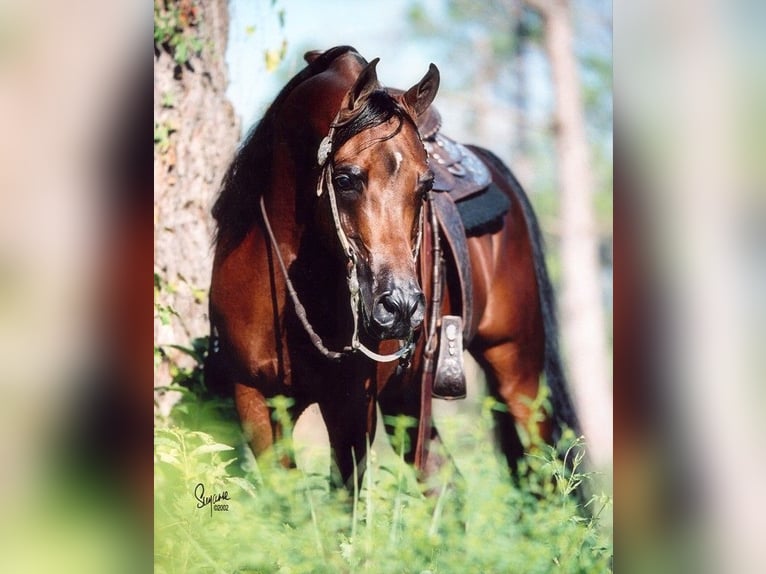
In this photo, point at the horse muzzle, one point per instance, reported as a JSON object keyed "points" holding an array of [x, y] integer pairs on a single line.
{"points": [[397, 311]]}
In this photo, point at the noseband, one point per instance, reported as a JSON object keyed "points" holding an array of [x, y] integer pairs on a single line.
{"points": [[324, 156]]}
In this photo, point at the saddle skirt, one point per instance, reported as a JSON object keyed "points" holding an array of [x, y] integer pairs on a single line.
{"points": [[456, 168], [466, 203], [460, 173]]}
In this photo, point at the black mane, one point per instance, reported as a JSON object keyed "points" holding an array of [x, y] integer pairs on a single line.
{"points": [[250, 172]]}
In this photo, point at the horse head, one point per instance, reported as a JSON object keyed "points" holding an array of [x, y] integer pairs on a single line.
{"points": [[374, 179]]}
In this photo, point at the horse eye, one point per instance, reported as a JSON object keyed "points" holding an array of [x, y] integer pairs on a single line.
{"points": [[344, 183]]}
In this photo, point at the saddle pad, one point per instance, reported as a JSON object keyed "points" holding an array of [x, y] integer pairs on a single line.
{"points": [[483, 212]]}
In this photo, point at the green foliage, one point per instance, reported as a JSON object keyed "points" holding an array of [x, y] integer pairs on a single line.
{"points": [[162, 131], [476, 38], [290, 520], [168, 100], [419, 19], [162, 312], [190, 377], [274, 56], [175, 28]]}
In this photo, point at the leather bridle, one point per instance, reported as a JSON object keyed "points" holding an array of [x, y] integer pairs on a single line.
{"points": [[325, 182]]}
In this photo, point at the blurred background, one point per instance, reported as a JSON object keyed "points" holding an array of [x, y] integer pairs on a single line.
{"points": [[76, 241], [532, 81]]}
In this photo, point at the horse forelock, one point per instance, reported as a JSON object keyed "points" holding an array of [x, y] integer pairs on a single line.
{"points": [[378, 109]]}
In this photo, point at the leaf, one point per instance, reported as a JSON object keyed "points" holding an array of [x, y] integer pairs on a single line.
{"points": [[244, 485], [168, 101], [164, 441], [160, 133], [191, 352], [168, 458], [207, 448], [174, 389], [181, 53], [199, 294], [272, 59]]}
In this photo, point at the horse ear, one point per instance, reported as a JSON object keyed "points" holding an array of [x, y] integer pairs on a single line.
{"points": [[312, 55], [420, 96], [365, 84]]}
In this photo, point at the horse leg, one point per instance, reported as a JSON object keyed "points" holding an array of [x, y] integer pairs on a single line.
{"points": [[513, 377], [394, 403], [438, 473], [258, 424], [350, 423], [399, 402]]}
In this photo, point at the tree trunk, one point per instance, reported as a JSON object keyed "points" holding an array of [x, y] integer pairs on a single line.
{"points": [[582, 318], [196, 132]]}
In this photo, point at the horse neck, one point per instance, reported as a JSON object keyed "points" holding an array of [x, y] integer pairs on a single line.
{"points": [[302, 120], [305, 119], [281, 202]]}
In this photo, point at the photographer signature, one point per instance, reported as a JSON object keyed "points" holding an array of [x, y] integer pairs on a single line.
{"points": [[214, 501]]}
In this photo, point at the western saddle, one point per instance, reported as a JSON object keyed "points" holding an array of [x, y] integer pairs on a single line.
{"points": [[458, 175]]}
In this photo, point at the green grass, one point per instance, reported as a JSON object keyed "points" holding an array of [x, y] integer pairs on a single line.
{"points": [[291, 521]]}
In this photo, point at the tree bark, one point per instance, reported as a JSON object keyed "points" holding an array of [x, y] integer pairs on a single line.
{"points": [[582, 316], [191, 104]]}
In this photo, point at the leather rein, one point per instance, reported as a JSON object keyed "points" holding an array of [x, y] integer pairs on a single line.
{"points": [[324, 156]]}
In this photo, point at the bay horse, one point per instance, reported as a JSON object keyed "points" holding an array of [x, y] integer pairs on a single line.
{"points": [[322, 286]]}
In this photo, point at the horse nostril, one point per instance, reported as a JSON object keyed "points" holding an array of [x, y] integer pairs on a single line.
{"points": [[391, 304], [417, 309], [399, 310], [385, 311]]}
